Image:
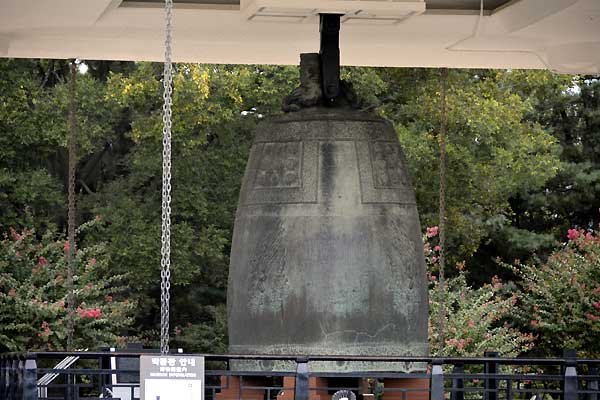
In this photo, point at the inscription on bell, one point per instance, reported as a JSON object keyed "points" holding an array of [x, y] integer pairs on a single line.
{"points": [[279, 166], [387, 172]]}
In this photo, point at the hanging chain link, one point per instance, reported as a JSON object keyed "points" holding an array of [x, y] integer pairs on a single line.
{"points": [[165, 251], [71, 208]]}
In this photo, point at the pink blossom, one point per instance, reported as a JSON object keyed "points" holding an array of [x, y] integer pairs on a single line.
{"points": [[597, 304], [66, 247], [437, 248], [496, 282], [433, 278], [471, 323], [592, 317], [89, 312], [45, 329], [589, 236], [93, 261], [534, 323], [434, 259], [42, 261], [432, 231], [15, 235], [572, 234]]}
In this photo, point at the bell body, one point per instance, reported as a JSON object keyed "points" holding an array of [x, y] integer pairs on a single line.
{"points": [[327, 257]]}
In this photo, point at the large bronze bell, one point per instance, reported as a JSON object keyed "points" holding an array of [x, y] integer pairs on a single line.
{"points": [[327, 257]]}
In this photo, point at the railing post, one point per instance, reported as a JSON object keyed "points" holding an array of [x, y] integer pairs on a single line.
{"points": [[569, 355], [592, 384], [2, 378], [458, 384], [491, 384], [437, 381], [13, 379], [30, 380], [20, 370], [301, 390], [570, 380]]}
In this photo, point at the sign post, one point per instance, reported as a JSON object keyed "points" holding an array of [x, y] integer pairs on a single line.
{"points": [[173, 377]]}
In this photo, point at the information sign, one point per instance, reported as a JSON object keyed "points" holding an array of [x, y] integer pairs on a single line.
{"points": [[173, 377]]}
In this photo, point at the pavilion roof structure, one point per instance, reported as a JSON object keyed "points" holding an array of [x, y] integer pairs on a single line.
{"points": [[561, 35]]}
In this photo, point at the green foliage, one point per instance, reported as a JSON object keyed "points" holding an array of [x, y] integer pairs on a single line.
{"points": [[33, 294], [560, 302], [29, 198], [205, 337]]}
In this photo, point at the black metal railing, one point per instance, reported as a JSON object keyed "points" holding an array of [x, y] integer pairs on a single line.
{"points": [[100, 375]]}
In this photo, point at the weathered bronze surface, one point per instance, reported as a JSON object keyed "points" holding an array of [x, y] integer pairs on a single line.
{"points": [[327, 255]]}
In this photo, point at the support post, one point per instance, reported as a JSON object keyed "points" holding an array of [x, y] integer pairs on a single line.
{"points": [[491, 383], [437, 382], [592, 383], [569, 355], [2, 378], [458, 384], [330, 56], [30, 380], [20, 378], [13, 393], [570, 388], [302, 389]]}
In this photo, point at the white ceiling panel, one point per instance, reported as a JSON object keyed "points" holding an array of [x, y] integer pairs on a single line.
{"points": [[563, 35]]}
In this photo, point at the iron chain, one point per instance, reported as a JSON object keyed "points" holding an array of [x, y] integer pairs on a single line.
{"points": [[165, 251]]}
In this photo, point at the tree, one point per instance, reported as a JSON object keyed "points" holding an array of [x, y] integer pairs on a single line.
{"points": [[493, 150], [568, 108]]}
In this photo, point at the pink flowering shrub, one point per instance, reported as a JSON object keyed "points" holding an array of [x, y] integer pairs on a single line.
{"points": [[33, 294], [476, 319], [560, 303]]}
